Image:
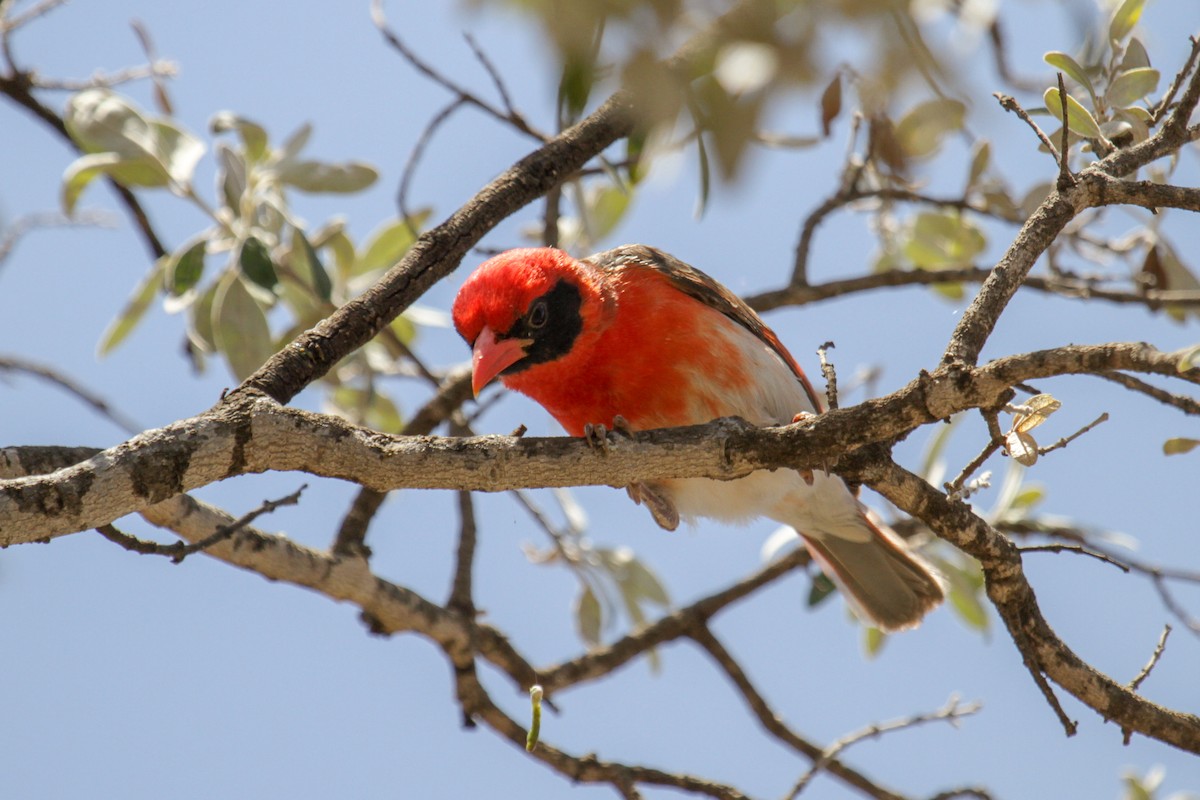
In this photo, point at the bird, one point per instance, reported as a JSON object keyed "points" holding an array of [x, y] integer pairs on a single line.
{"points": [[634, 338]]}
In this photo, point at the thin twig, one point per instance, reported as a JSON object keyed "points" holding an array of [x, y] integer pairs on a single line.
{"points": [[952, 712], [1184, 403], [770, 721], [1169, 96], [178, 551], [1009, 103], [1153, 662], [1066, 440], [1075, 548], [97, 403], [414, 158]]}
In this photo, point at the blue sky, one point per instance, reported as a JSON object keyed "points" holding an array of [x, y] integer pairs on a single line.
{"points": [[130, 677]]}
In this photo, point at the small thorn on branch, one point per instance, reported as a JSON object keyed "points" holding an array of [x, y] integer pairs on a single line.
{"points": [[1065, 178], [829, 374]]}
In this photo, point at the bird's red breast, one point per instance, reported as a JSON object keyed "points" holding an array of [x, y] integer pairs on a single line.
{"points": [[641, 343]]}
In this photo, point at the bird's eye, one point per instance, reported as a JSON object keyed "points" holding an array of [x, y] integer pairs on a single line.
{"points": [[538, 315]]}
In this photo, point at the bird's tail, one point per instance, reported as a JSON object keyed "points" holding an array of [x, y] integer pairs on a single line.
{"points": [[884, 581]]}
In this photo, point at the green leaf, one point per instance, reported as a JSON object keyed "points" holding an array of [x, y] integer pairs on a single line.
{"points": [[255, 261], [1131, 86], [386, 245], [873, 641], [310, 266], [240, 327], [588, 616], [1071, 68], [100, 121], [645, 583], [295, 143], [921, 130], [318, 176], [253, 135], [231, 177], [1188, 358], [1125, 17], [1078, 117], [943, 240], [607, 206], [1179, 445], [185, 267], [200, 327], [967, 604], [176, 150], [1135, 56], [821, 590], [134, 309], [80, 173], [575, 85], [366, 407], [980, 159]]}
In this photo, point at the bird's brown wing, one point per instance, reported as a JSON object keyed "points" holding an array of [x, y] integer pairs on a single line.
{"points": [[707, 290]]}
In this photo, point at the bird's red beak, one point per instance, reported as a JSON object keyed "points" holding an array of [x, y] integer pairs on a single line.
{"points": [[491, 356]]}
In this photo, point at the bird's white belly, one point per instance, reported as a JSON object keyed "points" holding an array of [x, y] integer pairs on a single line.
{"points": [[739, 500]]}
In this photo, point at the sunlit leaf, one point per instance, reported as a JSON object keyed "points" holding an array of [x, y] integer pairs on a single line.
{"points": [[921, 130], [1028, 497], [1179, 445], [1071, 68], [295, 143], [942, 240], [319, 176], [588, 616], [1040, 407], [1022, 447], [873, 641], [240, 327], [1131, 86], [254, 137], [1135, 56], [606, 208], [80, 173], [1124, 18], [200, 321], [231, 176], [646, 583], [366, 407], [134, 309], [255, 261], [388, 244], [1078, 117], [1189, 358], [176, 150]]}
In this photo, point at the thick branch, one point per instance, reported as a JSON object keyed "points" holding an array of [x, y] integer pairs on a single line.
{"points": [[256, 435], [1013, 598]]}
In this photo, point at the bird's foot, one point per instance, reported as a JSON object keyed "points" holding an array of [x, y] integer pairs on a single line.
{"points": [[596, 434], [658, 504]]}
